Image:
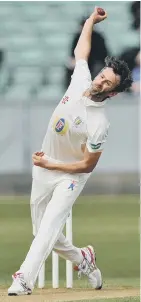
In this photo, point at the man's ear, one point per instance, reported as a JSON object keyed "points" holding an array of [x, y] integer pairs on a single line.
{"points": [[112, 94]]}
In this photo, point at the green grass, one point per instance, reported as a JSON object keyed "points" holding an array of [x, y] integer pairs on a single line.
{"points": [[110, 223], [132, 299]]}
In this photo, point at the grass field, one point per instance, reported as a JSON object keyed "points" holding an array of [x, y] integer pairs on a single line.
{"points": [[110, 223], [136, 299]]}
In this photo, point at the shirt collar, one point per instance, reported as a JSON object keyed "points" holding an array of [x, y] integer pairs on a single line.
{"points": [[89, 102]]}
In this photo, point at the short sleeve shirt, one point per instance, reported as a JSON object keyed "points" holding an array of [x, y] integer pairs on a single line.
{"points": [[76, 121]]}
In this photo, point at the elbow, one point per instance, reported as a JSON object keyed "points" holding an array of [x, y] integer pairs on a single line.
{"points": [[89, 168]]}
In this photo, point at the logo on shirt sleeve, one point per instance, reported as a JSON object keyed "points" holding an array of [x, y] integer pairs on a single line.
{"points": [[60, 126], [95, 146]]}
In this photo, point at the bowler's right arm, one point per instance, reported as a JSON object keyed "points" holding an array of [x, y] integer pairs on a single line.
{"points": [[83, 46]]}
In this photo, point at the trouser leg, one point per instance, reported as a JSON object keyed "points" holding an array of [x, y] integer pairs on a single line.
{"points": [[51, 227], [67, 250]]}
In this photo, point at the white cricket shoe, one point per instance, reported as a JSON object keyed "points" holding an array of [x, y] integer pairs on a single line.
{"points": [[88, 267], [19, 286]]}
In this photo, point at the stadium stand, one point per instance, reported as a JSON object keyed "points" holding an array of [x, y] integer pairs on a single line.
{"points": [[35, 37]]}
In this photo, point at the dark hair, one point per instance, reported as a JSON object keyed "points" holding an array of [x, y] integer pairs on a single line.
{"points": [[120, 68]]}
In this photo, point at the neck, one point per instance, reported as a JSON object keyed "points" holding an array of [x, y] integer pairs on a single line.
{"points": [[94, 98]]}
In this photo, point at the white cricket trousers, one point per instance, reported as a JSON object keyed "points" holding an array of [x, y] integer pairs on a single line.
{"points": [[50, 207]]}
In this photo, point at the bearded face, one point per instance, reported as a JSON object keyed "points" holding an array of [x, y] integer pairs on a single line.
{"points": [[104, 83]]}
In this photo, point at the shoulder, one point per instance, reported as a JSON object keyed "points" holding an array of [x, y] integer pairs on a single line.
{"points": [[97, 121], [98, 116], [103, 120], [102, 123]]}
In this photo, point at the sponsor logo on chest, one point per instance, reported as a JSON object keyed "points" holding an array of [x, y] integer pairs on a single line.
{"points": [[60, 126]]}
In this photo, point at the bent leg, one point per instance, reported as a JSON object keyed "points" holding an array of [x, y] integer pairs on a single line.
{"points": [[67, 250], [51, 226]]}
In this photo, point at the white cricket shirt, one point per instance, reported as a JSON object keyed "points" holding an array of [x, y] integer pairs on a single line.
{"points": [[77, 120]]}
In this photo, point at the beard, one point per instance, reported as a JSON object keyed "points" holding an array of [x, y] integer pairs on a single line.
{"points": [[97, 93]]}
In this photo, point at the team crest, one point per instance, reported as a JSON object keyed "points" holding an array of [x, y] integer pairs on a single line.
{"points": [[77, 121], [60, 126]]}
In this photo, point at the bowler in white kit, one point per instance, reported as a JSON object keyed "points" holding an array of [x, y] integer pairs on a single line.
{"points": [[70, 151]]}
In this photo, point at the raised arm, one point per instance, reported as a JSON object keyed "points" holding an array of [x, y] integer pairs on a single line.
{"points": [[83, 46]]}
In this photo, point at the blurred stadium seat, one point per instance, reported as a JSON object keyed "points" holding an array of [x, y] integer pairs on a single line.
{"points": [[51, 93], [30, 57], [17, 93], [28, 76]]}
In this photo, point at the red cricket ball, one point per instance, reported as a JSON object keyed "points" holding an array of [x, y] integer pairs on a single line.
{"points": [[100, 11]]}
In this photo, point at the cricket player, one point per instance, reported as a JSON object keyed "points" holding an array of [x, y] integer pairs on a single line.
{"points": [[71, 149]]}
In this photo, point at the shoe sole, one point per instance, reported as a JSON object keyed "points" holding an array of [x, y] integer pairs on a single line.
{"points": [[100, 287], [14, 294]]}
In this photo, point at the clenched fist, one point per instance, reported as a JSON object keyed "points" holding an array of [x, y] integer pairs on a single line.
{"points": [[97, 17], [38, 159]]}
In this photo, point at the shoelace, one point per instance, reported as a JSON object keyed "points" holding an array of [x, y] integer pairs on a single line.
{"points": [[85, 268], [19, 276]]}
